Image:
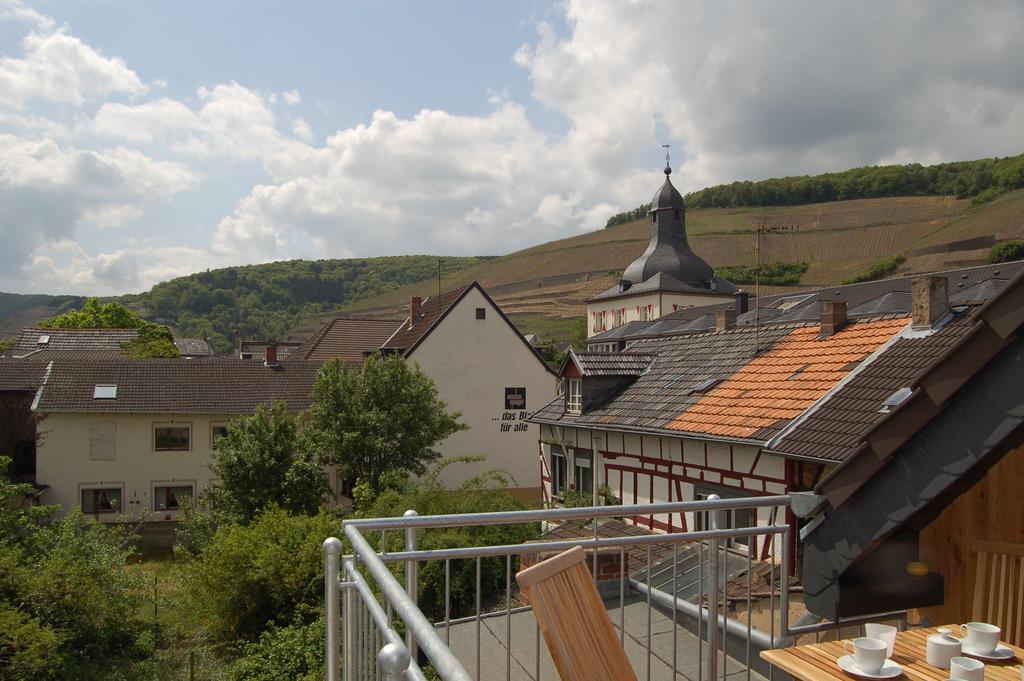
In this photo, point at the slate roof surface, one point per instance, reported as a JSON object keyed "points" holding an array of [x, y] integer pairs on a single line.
{"points": [[666, 282], [611, 363], [21, 375], [175, 386], [346, 339], [71, 341], [432, 309]]}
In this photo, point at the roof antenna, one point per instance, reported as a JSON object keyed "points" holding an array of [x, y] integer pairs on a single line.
{"points": [[762, 228], [668, 165]]}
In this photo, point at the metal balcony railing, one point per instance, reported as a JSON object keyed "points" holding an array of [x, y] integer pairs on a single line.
{"points": [[687, 581]]}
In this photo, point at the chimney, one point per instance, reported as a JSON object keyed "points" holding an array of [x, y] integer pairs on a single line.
{"points": [[238, 344], [271, 355], [929, 301], [742, 302], [725, 319], [833, 317], [415, 307]]}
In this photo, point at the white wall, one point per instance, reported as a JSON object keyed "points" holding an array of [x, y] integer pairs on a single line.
{"points": [[64, 458], [657, 304], [472, 362]]}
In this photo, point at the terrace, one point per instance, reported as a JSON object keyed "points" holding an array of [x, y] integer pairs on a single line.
{"points": [[686, 605]]}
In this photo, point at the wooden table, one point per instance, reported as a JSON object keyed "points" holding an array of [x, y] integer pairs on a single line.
{"points": [[818, 661]]}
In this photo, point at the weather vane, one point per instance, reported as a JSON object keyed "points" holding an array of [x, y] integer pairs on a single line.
{"points": [[666, 147]]}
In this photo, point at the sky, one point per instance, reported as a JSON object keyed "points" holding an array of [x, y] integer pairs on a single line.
{"points": [[141, 141]]}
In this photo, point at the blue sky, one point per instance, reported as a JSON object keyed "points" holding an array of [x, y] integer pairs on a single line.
{"points": [[140, 141]]}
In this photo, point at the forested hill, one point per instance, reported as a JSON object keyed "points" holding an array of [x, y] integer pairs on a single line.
{"points": [[265, 301], [980, 180]]}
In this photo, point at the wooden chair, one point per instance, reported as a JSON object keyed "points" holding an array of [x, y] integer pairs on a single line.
{"points": [[572, 617], [999, 588]]}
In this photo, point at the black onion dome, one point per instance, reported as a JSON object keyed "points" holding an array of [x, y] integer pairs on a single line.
{"points": [[667, 197], [668, 251]]}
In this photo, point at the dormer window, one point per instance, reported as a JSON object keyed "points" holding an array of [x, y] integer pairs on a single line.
{"points": [[573, 395]]}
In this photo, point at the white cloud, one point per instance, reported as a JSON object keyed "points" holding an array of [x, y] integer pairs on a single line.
{"points": [[60, 68], [48, 191], [742, 89], [17, 11]]}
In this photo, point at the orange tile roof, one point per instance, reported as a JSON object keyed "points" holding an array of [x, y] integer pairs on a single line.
{"points": [[784, 381]]}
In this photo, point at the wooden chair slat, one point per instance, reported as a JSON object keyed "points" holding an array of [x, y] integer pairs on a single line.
{"points": [[573, 620]]}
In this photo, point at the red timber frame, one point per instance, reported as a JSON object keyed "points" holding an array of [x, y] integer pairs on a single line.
{"points": [[620, 468]]}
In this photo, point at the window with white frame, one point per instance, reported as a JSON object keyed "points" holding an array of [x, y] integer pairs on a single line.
{"points": [[101, 500], [582, 471], [734, 518], [558, 471], [172, 437], [169, 496], [573, 395]]}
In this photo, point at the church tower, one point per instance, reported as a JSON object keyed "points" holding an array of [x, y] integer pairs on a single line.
{"points": [[666, 277]]}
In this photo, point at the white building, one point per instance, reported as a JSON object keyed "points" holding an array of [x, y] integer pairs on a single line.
{"points": [[122, 436], [482, 366]]}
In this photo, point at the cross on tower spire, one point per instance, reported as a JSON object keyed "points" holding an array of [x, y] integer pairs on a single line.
{"points": [[668, 166]]}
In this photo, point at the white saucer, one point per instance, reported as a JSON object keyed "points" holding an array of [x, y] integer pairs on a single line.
{"points": [[889, 670], [1000, 653]]}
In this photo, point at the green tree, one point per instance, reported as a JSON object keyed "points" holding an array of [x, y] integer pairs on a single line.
{"points": [[66, 594], [153, 340], [385, 416], [266, 459], [579, 334]]}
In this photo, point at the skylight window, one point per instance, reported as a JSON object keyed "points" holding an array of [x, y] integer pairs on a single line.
{"points": [[104, 392], [44, 339], [895, 400], [789, 302], [705, 385]]}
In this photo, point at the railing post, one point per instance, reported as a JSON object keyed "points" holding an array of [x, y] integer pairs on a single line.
{"points": [[393, 661], [713, 597], [411, 579], [348, 657], [332, 556]]}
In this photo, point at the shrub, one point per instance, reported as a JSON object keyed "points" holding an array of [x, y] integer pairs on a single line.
{"points": [[877, 270], [1006, 251], [268, 573], [772, 274], [294, 652]]}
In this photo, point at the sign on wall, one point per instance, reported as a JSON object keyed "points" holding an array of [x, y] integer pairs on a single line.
{"points": [[513, 419], [515, 398]]}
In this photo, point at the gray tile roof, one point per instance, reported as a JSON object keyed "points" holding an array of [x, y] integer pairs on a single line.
{"points": [[70, 341], [346, 339], [611, 363], [175, 386]]}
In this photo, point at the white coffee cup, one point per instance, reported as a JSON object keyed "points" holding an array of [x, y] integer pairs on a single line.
{"points": [[979, 637], [883, 632], [966, 669], [868, 653]]}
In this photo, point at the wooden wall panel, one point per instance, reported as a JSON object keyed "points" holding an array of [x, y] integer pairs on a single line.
{"points": [[994, 510]]}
